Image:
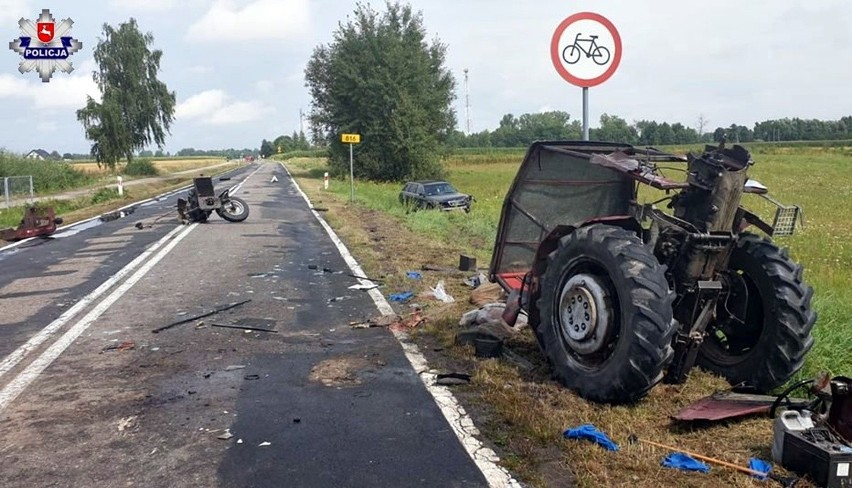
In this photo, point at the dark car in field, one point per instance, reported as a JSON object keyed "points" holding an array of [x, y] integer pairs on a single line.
{"points": [[433, 194]]}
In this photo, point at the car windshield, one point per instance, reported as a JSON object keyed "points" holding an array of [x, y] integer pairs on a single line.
{"points": [[439, 189]]}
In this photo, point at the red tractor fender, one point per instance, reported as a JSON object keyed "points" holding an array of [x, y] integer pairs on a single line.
{"points": [[551, 242]]}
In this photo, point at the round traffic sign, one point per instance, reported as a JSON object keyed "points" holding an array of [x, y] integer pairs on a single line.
{"points": [[585, 49]]}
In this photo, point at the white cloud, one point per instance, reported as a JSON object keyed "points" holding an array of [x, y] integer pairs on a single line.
{"points": [[200, 69], [46, 126], [62, 92], [215, 107], [12, 10], [264, 86], [146, 5], [228, 21], [201, 104]]}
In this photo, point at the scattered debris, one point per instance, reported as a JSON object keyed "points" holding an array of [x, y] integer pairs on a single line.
{"points": [[264, 443], [413, 275], [319, 209], [126, 423], [139, 225], [684, 462], [728, 405], [124, 346], [235, 367], [491, 314], [247, 328], [364, 287], [441, 294], [251, 377], [487, 293], [449, 379], [467, 263], [338, 299], [488, 348], [37, 221], [760, 466], [380, 321], [215, 311], [239, 441], [226, 435], [787, 482], [476, 280], [401, 297], [590, 433], [297, 420]]}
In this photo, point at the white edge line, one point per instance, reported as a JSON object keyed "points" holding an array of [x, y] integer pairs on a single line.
{"points": [[484, 457], [43, 335], [35, 341], [140, 202], [28, 375]]}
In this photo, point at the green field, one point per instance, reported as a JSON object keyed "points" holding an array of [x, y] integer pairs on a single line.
{"points": [[817, 178]]}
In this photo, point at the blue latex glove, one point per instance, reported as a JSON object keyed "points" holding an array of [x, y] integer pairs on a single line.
{"points": [[590, 433], [401, 297], [759, 465], [685, 462], [414, 275]]}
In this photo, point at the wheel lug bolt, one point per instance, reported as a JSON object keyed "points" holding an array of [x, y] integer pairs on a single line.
{"points": [[576, 329]]}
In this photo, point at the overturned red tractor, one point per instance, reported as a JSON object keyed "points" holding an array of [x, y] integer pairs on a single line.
{"points": [[623, 295]]}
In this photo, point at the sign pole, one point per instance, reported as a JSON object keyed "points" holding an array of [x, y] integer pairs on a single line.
{"points": [[351, 176], [585, 113]]}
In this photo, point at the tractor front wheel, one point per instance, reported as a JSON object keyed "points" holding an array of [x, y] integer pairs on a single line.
{"points": [[763, 327], [605, 314]]}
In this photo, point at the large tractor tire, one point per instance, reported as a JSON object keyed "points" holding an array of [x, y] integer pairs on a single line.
{"points": [[763, 328], [605, 313]]}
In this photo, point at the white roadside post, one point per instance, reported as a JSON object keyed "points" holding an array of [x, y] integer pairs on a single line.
{"points": [[120, 186], [585, 50], [325, 181], [351, 139]]}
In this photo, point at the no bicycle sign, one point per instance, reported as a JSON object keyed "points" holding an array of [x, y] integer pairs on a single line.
{"points": [[585, 49]]}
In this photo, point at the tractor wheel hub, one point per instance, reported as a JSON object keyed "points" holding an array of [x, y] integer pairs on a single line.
{"points": [[584, 313]]}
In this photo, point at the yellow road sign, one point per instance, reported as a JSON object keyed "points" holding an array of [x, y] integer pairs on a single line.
{"points": [[350, 138]]}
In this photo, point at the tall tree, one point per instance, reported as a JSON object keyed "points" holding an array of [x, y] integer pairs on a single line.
{"points": [[136, 108], [267, 149], [380, 78]]}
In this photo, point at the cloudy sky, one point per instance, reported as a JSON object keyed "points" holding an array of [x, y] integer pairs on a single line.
{"points": [[237, 65]]}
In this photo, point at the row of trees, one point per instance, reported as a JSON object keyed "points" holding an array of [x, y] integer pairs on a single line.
{"points": [[520, 131], [282, 144]]}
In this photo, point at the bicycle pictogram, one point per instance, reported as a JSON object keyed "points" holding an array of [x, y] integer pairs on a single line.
{"points": [[599, 54]]}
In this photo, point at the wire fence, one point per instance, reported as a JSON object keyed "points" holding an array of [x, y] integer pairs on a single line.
{"points": [[16, 190]]}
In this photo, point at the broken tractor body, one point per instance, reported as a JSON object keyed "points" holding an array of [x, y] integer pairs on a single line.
{"points": [[37, 221], [201, 201], [622, 295]]}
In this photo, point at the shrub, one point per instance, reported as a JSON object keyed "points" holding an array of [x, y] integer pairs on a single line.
{"points": [[106, 194], [141, 167]]}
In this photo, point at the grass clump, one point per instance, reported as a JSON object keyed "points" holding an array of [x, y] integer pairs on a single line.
{"points": [[141, 167]]}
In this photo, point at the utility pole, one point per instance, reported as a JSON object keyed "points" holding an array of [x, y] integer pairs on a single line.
{"points": [[301, 122], [466, 103]]}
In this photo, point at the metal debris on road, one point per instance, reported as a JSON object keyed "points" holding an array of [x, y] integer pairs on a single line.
{"points": [[728, 405], [264, 444], [126, 423], [124, 346], [364, 287], [235, 367], [251, 377], [226, 435], [247, 328], [449, 379], [190, 319]]}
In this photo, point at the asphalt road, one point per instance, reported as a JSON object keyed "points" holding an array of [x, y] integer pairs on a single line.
{"points": [[89, 396]]}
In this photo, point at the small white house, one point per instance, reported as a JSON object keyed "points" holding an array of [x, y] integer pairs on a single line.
{"points": [[39, 154]]}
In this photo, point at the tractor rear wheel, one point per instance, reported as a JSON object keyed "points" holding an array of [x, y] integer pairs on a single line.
{"points": [[605, 314], [763, 328]]}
